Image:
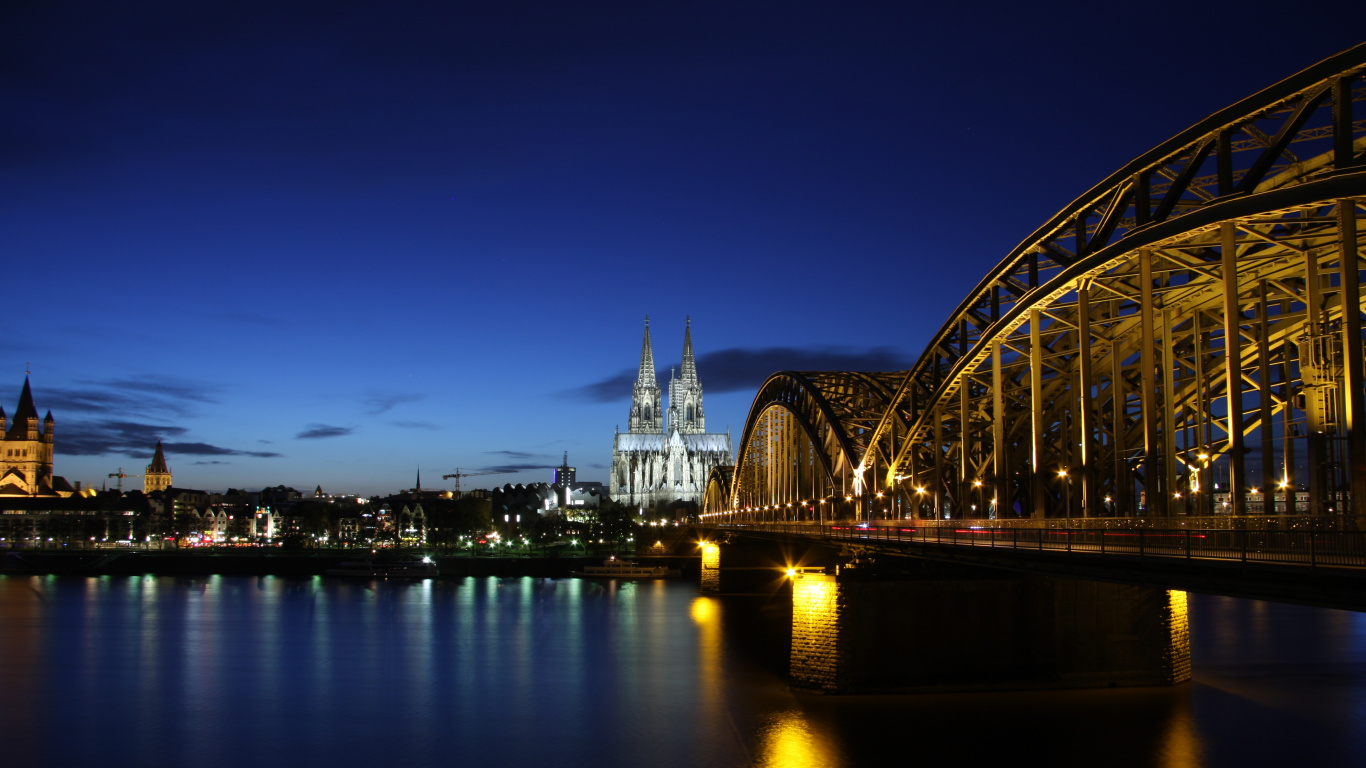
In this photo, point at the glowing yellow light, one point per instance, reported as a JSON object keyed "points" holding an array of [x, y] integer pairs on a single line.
{"points": [[791, 572], [1176, 495], [920, 489], [703, 610], [848, 498], [977, 483]]}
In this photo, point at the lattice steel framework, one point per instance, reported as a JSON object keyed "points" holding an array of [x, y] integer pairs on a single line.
{"points": [[1089, 372]]}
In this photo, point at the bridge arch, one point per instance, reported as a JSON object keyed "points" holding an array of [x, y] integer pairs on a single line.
{"points": [[1183, 338], [803, 440]]}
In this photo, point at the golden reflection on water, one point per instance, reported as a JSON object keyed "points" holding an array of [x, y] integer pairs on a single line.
{"points": [[790, 741], [1181, 746]]}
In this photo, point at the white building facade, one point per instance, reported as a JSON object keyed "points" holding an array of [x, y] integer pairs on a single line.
{"points": [[666, 456]]}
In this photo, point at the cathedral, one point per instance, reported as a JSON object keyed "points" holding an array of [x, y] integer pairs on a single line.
{"points": [[666, 456]]}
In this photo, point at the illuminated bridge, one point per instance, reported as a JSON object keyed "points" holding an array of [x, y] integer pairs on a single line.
{"points": [[1182, 344]]}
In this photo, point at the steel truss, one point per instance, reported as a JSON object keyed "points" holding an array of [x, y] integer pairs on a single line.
{"points": [[1091, 372]]}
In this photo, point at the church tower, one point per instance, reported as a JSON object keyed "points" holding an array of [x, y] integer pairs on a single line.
{"points": [[26, 450], [158, 475], [646, 415], [685, 393]]}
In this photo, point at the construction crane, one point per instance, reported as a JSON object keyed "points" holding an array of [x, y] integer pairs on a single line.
{"points": [[458, 474], [120, 475]]}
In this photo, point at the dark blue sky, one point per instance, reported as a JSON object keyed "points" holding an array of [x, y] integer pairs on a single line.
{"points": [[326, 243]]}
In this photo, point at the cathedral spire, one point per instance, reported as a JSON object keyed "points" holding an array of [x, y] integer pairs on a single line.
{"points": [[689, 363], [646, 415], [646, 376]]}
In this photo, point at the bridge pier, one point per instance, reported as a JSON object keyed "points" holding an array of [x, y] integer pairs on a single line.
{"points": [[861, 632]]}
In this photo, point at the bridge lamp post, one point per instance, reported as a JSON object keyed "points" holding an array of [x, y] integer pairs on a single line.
{"points": [[977, 486], [919, 500], [879, 495], [1067, 492]]}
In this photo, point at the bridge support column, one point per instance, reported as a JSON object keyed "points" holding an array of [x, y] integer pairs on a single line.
{"points": [[855, 634], [711, 568]]}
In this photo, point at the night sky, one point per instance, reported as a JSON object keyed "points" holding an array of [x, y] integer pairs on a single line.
{"points": [[328, 243]]}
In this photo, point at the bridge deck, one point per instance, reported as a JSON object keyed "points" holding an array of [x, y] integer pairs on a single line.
{"points": [[1321, 568]]}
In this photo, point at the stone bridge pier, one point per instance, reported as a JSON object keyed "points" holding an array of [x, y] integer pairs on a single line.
{"points": [[863, 623], [858, 630]]}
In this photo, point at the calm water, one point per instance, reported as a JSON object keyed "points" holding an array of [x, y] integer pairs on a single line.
{"points": [[240, 672]]}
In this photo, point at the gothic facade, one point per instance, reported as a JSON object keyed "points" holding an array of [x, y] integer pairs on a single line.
{"points": [[665, 456]]}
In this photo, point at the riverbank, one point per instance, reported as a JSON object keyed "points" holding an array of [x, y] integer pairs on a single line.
{"points": [[278, 563]]}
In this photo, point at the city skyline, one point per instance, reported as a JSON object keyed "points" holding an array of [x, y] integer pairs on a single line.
{"points": [[329, 245]]}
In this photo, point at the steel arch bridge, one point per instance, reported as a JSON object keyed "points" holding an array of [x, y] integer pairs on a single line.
{"points": [[1174, 341]]}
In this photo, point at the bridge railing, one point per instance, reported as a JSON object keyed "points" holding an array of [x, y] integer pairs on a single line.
{"points": [[1312, 548]]}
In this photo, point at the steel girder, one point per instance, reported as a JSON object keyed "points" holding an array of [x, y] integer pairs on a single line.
{"points": [[719, 482], [1088, 373], [805, 435]]}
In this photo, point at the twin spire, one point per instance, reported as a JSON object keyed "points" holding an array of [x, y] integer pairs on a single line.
{"points": [[685, 391], [689, 364], [646, 375]]}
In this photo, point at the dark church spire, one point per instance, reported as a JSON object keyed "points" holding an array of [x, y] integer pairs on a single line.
{"points": [[158, 461]]}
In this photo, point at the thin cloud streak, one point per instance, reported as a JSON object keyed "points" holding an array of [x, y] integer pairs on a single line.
{"points": [[320, 431]]}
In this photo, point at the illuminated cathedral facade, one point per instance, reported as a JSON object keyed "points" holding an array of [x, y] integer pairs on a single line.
{"points": [[666, 455]]}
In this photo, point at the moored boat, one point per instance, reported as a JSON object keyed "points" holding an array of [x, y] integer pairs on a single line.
{"points": [[612, 568]]}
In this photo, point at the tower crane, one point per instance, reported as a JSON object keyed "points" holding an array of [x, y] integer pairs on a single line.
{"points": [[458, 474], [120, 475]]}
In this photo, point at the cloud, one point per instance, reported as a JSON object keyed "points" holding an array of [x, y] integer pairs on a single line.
{"points": [[381, 402], [514, 454], [741, 369], [161, 396], [319, 431], [417, 425], [608, 390], [136, 440], [207, 463], [515, 467], [204, 449]]}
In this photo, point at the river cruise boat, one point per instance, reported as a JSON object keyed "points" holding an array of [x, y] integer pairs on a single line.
{"points": [[612, 568], [386, 568]]}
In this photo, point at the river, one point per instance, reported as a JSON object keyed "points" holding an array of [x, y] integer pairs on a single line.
{"points": [[249, 672]]}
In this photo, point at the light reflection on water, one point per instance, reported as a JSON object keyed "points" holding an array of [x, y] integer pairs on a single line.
{"points": [[266, 671]]}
